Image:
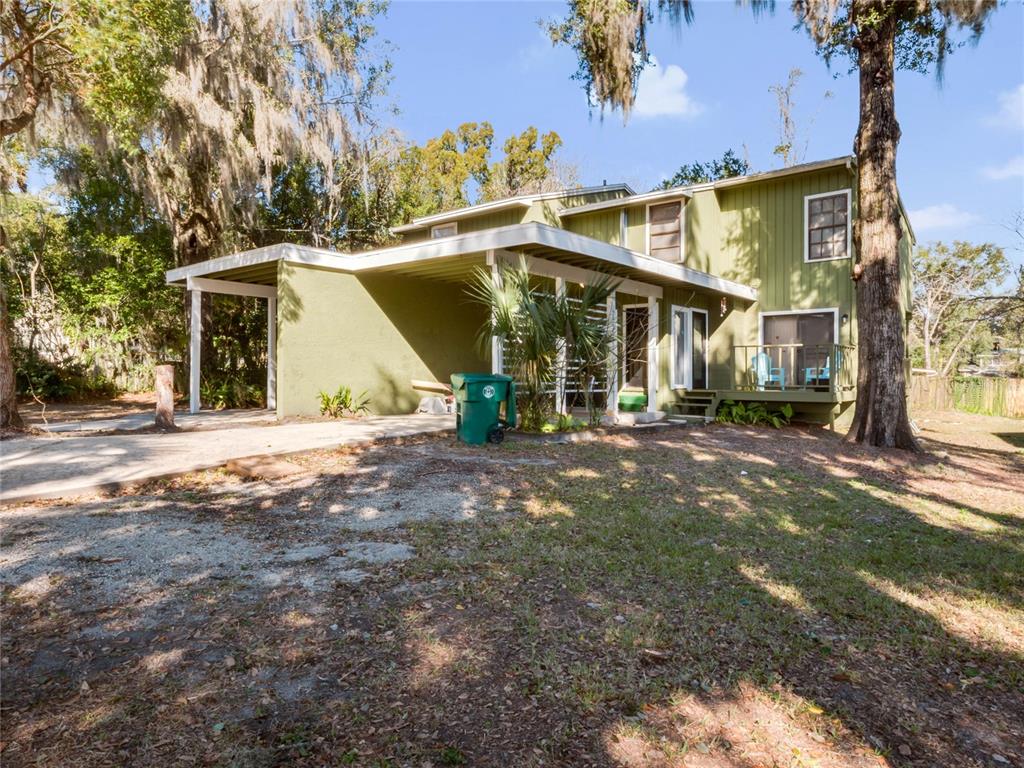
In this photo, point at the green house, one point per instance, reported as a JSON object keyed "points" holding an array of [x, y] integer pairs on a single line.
{"points": [[738, 289]]}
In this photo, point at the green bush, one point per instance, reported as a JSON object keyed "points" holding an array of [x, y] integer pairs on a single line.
{"points": [[732, 412], [64, 380], [563, 423], [343, 403], [228, 392]]}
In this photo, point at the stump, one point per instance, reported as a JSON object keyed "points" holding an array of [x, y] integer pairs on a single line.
{"points": [[165, 396]]}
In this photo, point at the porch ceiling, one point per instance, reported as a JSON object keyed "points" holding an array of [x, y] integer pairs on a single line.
{"points": [[260, 274]]}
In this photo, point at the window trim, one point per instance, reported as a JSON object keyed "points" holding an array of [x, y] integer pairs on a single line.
{"points": [[624, 228], [819, 310], [675, 380], [444, 225], [849, 225], [682, 228]]}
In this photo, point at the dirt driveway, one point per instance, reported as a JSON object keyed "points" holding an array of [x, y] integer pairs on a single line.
{"points": [[719, 597]]}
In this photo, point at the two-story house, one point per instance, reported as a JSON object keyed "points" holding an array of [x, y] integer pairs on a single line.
{"points": [[739, 288]]}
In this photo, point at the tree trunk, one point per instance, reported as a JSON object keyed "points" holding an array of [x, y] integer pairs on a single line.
{"points": [[927, 333], [9, 416], [951, 360], [881, 416]]}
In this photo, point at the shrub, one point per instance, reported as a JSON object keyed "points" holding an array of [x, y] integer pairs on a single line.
{"points": [[230, 392], [63, 380], [731, 412], [563, 423], [343, 403], [537, 327]]}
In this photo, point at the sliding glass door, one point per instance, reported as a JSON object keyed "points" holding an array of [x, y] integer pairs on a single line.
{"points": [[799, 342], [689, 348]]}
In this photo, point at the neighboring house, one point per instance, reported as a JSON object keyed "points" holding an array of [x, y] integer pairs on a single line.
{"points": [[739, 288]]}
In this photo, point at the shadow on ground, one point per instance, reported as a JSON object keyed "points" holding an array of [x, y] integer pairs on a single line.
{"points": [[720, 597]]}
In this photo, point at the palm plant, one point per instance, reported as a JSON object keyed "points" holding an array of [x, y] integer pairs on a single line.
{"points": [[587, 337], [537, 327]]}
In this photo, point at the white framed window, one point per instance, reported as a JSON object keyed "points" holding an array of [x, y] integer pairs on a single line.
{"points": [[444, 230], [665, 230], [689, 367], [624, 228], [827, 226]]}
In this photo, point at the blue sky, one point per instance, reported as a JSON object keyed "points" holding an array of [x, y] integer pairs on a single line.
{"points": [[961, 158]]}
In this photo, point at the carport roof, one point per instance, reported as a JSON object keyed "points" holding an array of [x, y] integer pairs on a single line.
{"points": [[456, 255]]}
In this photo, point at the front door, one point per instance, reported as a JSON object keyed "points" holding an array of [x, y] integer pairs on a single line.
{"points": [[699, 349], [634, 353]]}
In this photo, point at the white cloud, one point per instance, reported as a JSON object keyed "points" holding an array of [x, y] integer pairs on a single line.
{"points": [[1011, 109], [1011, 169], [661, 92], [942, 216], [536, 55]]}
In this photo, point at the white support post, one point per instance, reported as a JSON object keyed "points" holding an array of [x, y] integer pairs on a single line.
{"points": [[612, 404], [497, 353], [272, 353], [652, 354], [195, 350], [561, 363]]}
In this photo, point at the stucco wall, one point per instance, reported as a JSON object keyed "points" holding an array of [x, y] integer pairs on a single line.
{"points": [[370, 332]]}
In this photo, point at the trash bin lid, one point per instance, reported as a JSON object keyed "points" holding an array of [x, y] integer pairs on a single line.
{"points": [[461, 379]]}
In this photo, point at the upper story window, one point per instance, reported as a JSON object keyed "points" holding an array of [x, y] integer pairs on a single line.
{"points": [[665, 231], [827, 226], [444, 230]]}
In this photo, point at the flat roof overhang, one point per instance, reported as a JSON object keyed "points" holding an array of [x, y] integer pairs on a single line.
{"points": [[455, 258]]}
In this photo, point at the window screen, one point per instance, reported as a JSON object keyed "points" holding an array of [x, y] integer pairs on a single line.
{"points": [[827, 220], [665, 234]]}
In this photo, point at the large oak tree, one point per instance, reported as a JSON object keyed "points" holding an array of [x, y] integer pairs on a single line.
{"points": [[878, 36]]}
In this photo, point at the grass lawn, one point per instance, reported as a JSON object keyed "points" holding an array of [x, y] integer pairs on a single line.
{"points": [[698, 597]]}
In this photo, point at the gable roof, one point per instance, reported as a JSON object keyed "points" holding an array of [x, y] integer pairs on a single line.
{"points": [[519, 201]]}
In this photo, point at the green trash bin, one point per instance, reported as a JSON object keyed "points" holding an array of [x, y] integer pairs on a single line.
{"points": [[485, 406]]}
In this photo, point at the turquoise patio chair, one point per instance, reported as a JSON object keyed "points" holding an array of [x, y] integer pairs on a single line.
{"points": [[823, 375], [765, 373]]}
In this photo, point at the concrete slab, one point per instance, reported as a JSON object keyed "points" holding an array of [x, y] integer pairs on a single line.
{"points": [[182, 420], [57, 467]]}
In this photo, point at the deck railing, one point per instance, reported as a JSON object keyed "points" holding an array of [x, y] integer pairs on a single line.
{"points": [[800, 367]]}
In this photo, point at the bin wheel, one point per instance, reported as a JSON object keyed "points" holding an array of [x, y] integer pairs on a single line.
{"points": [[495, 435]]}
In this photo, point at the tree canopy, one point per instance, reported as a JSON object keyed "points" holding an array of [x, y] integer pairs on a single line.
{"points": [[955, 299], [729, 165]]}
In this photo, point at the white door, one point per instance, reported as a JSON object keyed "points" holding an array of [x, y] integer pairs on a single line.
{"points": [[689, 348]]}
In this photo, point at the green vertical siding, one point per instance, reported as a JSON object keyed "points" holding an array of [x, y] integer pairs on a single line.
{"points": [[369, 332], [752, 234], [601, 225]]}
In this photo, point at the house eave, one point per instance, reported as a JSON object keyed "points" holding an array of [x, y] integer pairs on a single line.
{"points": [[500, 238]]}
